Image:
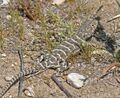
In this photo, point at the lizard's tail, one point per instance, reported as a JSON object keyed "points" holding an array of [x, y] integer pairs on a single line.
{"points": [[15, 79]]}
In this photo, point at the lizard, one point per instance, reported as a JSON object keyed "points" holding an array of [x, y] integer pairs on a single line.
{"points": [[55, 60]]}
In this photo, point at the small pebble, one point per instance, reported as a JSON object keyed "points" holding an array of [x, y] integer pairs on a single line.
{"points": [[8, 17], [29, 92], [10, 96], [15, 63], [24, 56], [3, 55], [12, 65], [8, 78], [76, 80]]}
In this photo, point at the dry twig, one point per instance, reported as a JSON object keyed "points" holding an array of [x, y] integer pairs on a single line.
{"points": [[113, 18], [59, 84], [107, 69]]}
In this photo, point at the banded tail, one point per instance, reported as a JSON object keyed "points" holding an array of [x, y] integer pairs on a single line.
{"points": [[16, 78]]}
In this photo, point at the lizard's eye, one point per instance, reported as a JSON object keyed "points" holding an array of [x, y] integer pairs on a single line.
{"points": [[41, 58]]}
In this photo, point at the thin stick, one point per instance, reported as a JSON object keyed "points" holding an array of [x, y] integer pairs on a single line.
{"points": [[113, 18], [20, 88], [104, 75], [59, 84]]}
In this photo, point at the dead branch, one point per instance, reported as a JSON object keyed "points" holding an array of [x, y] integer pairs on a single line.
{"points": [[59, 84], [113, 18], [107, 70]]}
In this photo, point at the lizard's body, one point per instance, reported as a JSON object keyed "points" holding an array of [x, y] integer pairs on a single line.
{"points": [[56, 59]]}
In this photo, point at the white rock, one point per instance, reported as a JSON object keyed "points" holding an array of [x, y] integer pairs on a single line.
{"points": [[8, 78], [5, 2], [76, 80], [29, 92], [3, 55], [8, 17], [24, 56], [10, 96], [12, 65]]}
